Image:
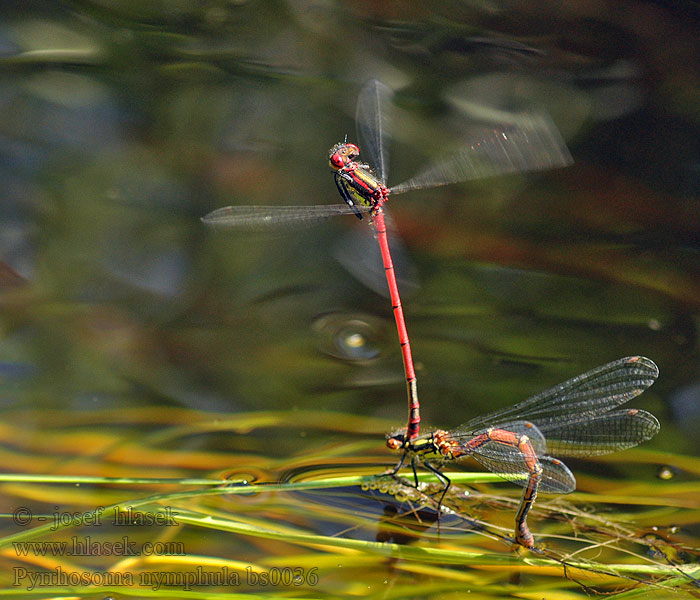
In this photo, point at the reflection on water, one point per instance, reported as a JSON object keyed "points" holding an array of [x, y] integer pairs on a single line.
{"points": [[351, 337]]}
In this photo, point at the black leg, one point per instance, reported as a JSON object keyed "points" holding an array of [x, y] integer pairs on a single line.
{"points": [[345, 194], [443, 478], [398, 466]]}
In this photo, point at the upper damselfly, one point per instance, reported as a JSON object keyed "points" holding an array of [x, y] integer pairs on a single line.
{"points": [[528, 142], [577, 418]]}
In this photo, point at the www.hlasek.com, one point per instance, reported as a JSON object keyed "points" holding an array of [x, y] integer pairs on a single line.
{"points": [[186, 580], [87, 546]]}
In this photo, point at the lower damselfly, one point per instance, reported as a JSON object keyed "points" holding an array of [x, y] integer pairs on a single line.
{"points": [[578, 418], [527, 142]]}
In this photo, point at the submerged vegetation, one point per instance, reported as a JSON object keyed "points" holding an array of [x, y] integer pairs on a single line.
{"points": [[317, 519]]}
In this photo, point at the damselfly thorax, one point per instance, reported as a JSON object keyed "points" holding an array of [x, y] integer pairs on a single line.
{"points": [[357, 183]]}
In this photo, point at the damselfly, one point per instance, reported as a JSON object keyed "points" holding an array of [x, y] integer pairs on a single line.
{"points": [[577, 418], [529, 142]]}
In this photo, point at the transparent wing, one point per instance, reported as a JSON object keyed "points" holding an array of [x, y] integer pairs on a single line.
{"points": [[261, 218], [610, 432], [357, 250], [583, 397], [509, 463], [494, 449], [556, 476], [575, 418], [373, 126], [531, 143]]}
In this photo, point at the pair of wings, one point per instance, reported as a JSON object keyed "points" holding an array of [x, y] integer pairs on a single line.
{"points": [[580, 417], [528, 142]]}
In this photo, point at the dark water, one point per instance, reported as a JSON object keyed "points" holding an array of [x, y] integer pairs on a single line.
{"points": [[124, 122]]}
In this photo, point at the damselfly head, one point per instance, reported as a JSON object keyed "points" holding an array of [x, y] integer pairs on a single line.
{"points": [[396, 439], [342, 154]]}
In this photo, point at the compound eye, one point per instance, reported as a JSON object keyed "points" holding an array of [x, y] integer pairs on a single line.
{"points": [[353, 150], [337, 161], [393, 443]]}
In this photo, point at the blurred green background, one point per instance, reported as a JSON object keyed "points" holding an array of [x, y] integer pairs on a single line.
{"points": [[122, 123]]}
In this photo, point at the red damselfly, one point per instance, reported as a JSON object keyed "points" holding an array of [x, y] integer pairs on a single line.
{"points": [[529, 142], [577, 418]]}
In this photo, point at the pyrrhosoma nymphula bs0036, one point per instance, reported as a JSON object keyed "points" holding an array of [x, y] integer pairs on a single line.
{"points": [[529, 142], [577, 418]]}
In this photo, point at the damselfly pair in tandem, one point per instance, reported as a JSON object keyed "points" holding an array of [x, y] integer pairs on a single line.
{"points": [[577, 418]]}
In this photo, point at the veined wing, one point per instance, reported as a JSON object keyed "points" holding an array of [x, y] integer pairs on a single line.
{"points": [[373, 126], [508, 461], [577, 416], [611, 431], [531, 143], [261, 218], [357, 250], [585, 396], [557, 478]]}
